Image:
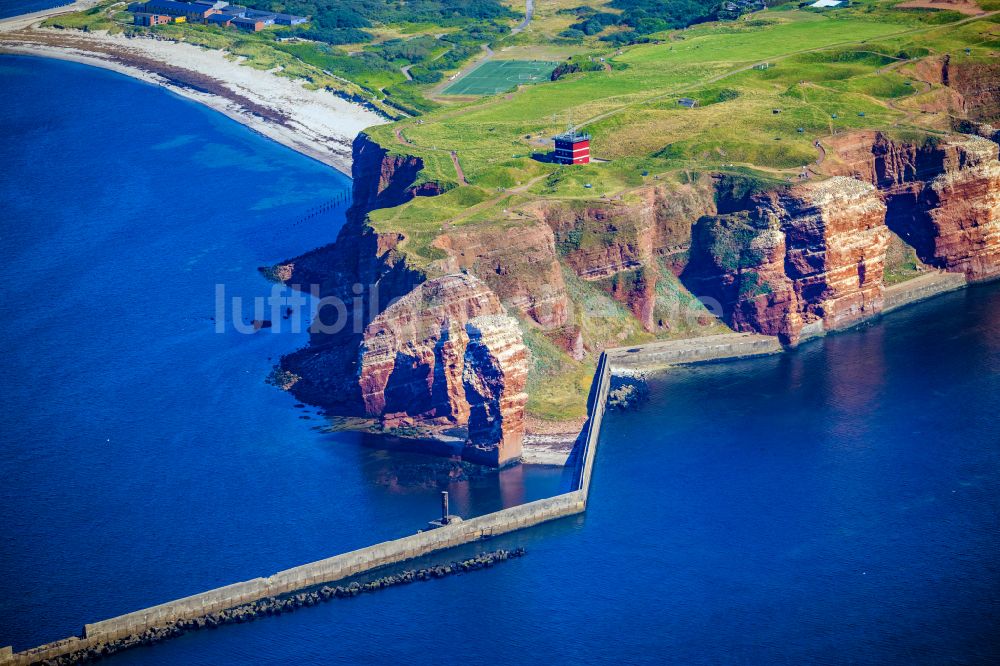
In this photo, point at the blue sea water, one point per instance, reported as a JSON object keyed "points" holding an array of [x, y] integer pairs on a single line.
{"points": [[836, 504], [142, 455], [18, 7]]}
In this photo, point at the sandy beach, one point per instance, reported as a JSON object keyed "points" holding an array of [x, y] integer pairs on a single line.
{"points": [[316, 123]]}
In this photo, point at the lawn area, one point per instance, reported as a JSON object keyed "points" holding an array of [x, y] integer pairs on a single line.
{"points": [[631, 108], [497, 76], [826, 73]]}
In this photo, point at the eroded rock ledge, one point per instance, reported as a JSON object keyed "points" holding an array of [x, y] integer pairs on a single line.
{"points": [[808, 258], [447, 354]]}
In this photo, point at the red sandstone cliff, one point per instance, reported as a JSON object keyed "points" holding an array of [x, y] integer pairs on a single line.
{"points": [[781, 260], [447, 354], [973, 86], [942, 197], [383, 180], [518, 263], [404, 349], [816, 252], [808, 253], [619, 245]]}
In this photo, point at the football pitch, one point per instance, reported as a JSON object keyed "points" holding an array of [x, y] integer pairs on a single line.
{"points": [[496, 76]]}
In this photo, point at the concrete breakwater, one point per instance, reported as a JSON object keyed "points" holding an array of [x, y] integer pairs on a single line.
{"points": [[277, 606], [154, 622], [135, 625], [695, 350], [728, 346], [922, 288], [303, 577]]}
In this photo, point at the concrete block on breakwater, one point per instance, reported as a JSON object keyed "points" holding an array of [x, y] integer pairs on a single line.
{"points": [[695, 350]]}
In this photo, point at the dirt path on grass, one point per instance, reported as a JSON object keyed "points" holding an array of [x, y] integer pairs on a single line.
{"points": [[458, 169], [401, 138]]}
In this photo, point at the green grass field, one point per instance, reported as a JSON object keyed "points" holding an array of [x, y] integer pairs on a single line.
{"points": [[497, 76], [828, 73]]}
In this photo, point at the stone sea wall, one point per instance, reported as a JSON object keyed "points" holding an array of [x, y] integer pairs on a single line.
{"points": [[922, 288]]}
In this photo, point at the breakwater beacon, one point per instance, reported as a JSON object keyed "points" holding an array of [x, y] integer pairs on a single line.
{"points": [[572, 148]]}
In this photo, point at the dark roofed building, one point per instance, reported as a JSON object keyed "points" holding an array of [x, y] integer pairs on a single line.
{"points": [[248, 24], [225, 20], [174, 8], [270, 18], [267, 18]]}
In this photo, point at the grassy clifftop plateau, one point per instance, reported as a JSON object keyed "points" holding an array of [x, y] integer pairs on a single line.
{"points": [[773, 88], [594, 255], [848, 69]]}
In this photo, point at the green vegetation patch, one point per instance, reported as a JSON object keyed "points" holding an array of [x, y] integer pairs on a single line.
{"points": [[497, 76]]}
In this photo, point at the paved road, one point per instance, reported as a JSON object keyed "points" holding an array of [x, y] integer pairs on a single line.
{"points": [[529, 12]]}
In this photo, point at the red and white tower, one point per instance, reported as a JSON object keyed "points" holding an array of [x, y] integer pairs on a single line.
{"points": [[572, 148]]}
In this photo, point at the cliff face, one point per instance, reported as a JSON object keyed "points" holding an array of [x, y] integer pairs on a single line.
{"points": [[494, 379], [942, 197], [960, 210], [431, 354], [519, 265], [382, 180], [433, 349], [619, 245], [815, 252], [357, 277], [974, 85], [812, 252], [447, 354]]}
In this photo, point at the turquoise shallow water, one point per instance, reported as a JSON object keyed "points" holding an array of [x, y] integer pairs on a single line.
{"points": [[837, 504]]}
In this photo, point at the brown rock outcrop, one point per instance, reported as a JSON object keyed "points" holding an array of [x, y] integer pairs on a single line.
{"points": [[601, 238], [807, 253], [974, 84], [447, 354], [942, 196], [616, 244], [519, 264], [438, 354], [960, 209], [384, 180], [494, 379]]}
